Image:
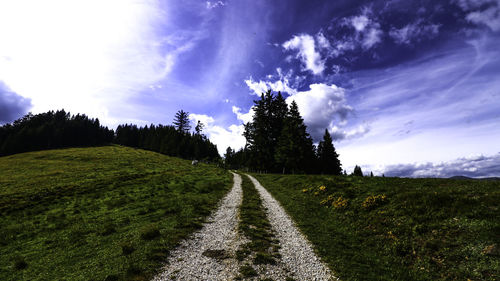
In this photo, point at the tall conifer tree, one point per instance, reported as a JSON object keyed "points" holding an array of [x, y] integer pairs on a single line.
{"points": [[263, 132], [181, 121], [295, 151], [328, 160]]}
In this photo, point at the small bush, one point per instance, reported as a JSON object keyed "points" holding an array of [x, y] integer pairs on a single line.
{"points": [[373, 201], [20, 263], [340, 203], [150, 232], [127, 248], [133, 270], [108, 229]]}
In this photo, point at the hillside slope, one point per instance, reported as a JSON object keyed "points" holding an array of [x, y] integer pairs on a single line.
{"points": [[103, 213], [396, 228]]}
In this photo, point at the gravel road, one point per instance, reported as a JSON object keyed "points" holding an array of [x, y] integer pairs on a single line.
{"points": [[210, 252]]}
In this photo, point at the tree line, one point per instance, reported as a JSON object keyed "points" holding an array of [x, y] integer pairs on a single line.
{"points": [[52, 130], [277, 141], [60, 129], [173, 140]]}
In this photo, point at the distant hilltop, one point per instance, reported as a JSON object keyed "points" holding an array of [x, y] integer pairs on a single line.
{"points": [[468, 178]]}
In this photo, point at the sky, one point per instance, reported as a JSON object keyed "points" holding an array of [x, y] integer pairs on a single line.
{"points": [[406, 88]]}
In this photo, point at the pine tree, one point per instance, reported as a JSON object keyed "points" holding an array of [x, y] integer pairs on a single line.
{"points": [[229, 158], [181, 121], [295, 150], [263, 131], [357, 171], [199, 127], [371, 174], [329, 162]]}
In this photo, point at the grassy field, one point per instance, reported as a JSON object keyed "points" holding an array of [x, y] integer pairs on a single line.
{"points": [[397, 228], [105, 213], [262, 247]]}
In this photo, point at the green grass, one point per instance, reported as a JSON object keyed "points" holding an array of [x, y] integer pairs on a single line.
{"points": [[256, 227], [422, 229], [104, 213]]}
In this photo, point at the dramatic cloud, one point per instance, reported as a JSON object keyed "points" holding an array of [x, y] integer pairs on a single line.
{"points": [[474, 166], [360, 22], [84, 56], [489, 17], [415, 31], [435, 109], [322, 107], [244, 117], [258, 88], [323, 43], [367, 29], [343, 134], [307, 53], [361, 32], [12, 106], [486, 12]]}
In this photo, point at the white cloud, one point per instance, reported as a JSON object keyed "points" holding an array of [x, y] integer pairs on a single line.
{"points": [[468, 5], [489, 17], [323, 43], [244, 117], [372, 36], [485, 12], [360, 22], [472, 166], [205, 119], [281, 85], [215, 4], [307, 53], [84, 56], [321, 106], [222, 137], [456, 95], [414, 32], [366, 34], [339, 133]]}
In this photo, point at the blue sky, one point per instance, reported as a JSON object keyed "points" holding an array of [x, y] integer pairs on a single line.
{"points": [[407, 88]]}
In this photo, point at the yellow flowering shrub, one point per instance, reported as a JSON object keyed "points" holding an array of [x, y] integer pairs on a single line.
{"points": [[340, 203], [322, 188], [306, 190], [327, 200], [373, 201]]}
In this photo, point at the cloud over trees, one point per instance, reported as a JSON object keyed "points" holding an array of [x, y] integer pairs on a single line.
{"points": [[12, 106]]}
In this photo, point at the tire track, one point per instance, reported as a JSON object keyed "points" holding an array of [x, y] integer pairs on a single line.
{"points": [[209, 253], [296, 251]]}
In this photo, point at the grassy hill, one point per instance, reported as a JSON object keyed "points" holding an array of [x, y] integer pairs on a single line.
{"points": [[104, 213], [397, 228]]}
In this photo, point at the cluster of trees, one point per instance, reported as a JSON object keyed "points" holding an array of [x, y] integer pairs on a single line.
{"points": [[278, 141], [52, 130], [61, 129], [173, 140]]}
